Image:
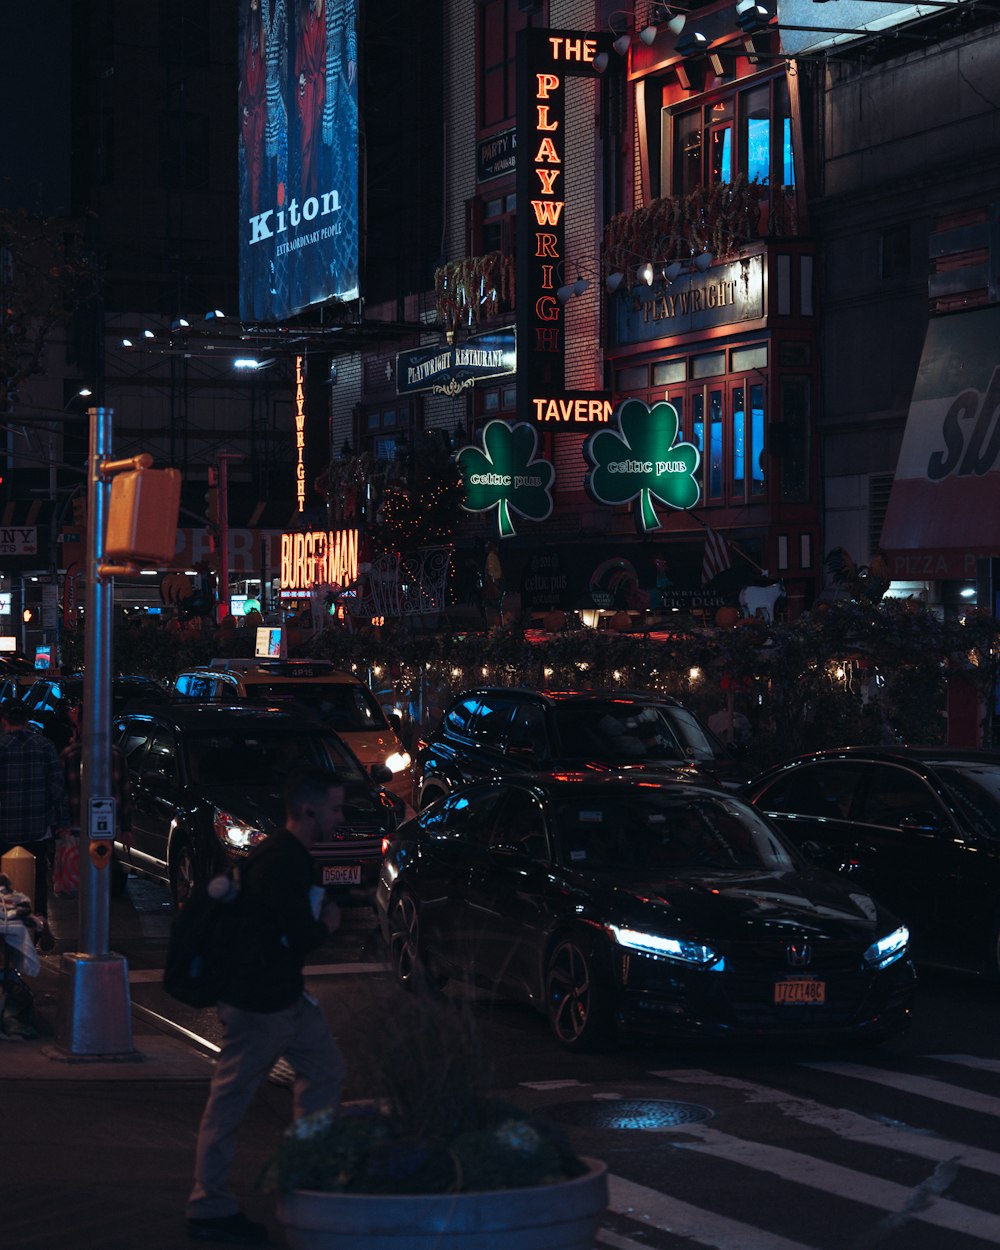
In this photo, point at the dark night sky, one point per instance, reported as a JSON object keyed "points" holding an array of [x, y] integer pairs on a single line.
{"points": [[35, 106]]}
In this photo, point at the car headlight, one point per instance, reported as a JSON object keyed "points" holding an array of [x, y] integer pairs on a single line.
{"points": [[231, 831], [888, 949], [398, 761], [666, 947]]}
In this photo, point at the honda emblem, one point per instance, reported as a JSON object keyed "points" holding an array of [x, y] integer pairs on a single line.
{"points": [[798, 954]]}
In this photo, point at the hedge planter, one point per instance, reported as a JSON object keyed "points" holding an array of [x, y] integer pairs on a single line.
{"points": [[563, 1216]]}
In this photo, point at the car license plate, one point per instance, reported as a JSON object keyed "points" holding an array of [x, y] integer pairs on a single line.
{"points": [[342, 874], [800, 991]]}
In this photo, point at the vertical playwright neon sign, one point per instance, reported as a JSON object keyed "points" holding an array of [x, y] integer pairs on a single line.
{"points": [[300, 432], [545, 58]]}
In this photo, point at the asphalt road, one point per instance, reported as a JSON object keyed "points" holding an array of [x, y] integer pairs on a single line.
{"points": [[736, 1148]]}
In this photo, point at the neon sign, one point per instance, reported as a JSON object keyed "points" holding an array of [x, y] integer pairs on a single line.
{"points": [[642, 461], [545, 59], [300, 432], [317, 558]]}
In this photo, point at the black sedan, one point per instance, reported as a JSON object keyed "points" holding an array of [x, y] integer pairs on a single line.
{"points": [[206, 785], [918, 827], [617, 900]]}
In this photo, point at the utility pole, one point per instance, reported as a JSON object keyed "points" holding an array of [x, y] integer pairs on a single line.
{"points": [[94, 1010], [223, 458]]}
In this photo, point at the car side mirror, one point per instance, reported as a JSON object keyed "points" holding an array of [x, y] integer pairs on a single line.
{"points": [[381, 774]]}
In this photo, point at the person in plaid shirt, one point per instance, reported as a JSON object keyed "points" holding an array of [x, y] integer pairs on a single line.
{"points": [[34, 805]]}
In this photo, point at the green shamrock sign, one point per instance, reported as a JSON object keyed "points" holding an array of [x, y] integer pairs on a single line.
{"points": [[641, 461], [505, 475]]}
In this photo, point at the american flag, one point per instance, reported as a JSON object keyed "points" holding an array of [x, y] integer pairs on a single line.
{"points": [[716, 559]]}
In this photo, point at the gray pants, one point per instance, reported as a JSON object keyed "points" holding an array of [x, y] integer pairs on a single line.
{"points": [[252, 1042]]}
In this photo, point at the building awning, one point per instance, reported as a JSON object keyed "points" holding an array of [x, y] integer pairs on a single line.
{"points": [[944, 507]]}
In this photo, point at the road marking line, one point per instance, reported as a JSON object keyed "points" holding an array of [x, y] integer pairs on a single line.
{"points": [[922, 1086], [654, 1209], [969, 1061], [842, 1182], [848, 1124]]}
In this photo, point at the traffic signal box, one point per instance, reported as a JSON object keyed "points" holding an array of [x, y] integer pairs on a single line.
{"points": [[142, 516]]}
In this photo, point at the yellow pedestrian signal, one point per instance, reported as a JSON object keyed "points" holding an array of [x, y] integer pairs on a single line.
{"points": [[142, 516]]}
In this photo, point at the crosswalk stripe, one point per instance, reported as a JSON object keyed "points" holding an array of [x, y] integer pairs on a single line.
{"points": [[847, 1124], [970, 1061], [922, 1086], [671, 1215], [832, 1178]]}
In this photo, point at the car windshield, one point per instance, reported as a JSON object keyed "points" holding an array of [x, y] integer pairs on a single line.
{"points": [[344, 706], [975, 790], [698, 742], [617, 732], [255, 757], [646, 831]]}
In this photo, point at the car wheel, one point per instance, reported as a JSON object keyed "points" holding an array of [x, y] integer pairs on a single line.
{"points": [[185, 875], [119, 878], [406, 953], [578, 996]]}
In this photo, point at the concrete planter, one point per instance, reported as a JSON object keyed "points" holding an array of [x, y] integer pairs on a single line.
{"points": [[563, 1216]]}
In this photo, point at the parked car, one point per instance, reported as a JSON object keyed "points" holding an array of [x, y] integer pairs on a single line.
{"points": [[50, 699], [610, 900], [346, 704], [496, 730], [207, 785], [917, 827]]}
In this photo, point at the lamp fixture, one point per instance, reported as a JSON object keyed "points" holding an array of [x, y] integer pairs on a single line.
{"points": [[673, 270], [703, 261], [752, 18], [646, 273], [693, 44], [622, 44], [648, 34], [214, 314], [148, 334], [126, 342], [180, 323], [676, 23], [614, 281], [600, 62]]}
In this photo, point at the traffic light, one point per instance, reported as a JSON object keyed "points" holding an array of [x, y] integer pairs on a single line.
{"points": [[142, 516]]}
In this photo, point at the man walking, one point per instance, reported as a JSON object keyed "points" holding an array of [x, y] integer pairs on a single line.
{"points": [[265, 1012], [33, 802]]}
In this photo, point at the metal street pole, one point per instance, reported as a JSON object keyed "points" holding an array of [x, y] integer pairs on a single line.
{"points": [[94, 1009], [224, 457]]}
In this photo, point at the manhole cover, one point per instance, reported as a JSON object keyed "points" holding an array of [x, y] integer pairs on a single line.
{"points": [[629, 1113]]}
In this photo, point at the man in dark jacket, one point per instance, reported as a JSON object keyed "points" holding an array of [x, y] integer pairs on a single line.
{"points": [[265, 1012]]}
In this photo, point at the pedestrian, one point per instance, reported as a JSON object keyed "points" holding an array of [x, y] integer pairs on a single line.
{"points": [[266, 1012], [34, 806]]}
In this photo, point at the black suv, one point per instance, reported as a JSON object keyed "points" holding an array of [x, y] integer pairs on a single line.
{"points": [[490, 730], [206, 786], [49, 700]]}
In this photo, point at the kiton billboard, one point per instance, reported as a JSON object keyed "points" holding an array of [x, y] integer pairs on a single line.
{"points": [[298, 155]]}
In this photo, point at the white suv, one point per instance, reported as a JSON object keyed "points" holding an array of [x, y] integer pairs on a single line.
{"points": [[339, 699]]}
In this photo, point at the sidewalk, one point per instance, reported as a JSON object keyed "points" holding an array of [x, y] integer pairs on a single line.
{"points": [[97, 1154]]}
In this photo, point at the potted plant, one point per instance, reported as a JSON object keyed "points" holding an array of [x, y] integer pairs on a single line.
{"points": [[435, 1160]]}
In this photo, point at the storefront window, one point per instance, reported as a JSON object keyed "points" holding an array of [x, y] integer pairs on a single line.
{"points": [[745, 132], [757, 440], [739, 444], [714, 475]]}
